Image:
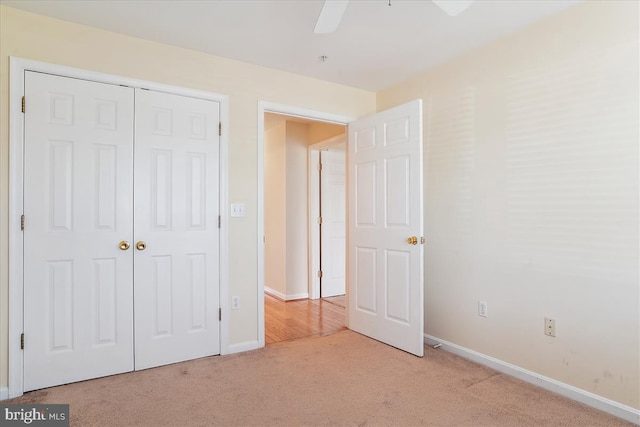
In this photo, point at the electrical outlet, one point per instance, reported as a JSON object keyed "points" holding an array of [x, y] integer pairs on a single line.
{"points": [[550, 327], [235, 303], [482, 308]]}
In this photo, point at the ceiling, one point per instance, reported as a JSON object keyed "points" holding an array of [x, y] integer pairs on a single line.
{"points": [[375, 46]]}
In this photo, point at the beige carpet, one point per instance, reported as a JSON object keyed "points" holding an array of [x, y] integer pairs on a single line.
{"points": [[342, 379]]}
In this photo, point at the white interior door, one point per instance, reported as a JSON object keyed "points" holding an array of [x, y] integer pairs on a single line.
{"points": [[78, 192], [333, 227], [176, 218], [385, 210]]}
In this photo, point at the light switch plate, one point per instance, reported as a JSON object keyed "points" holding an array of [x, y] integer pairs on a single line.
{"points": [[237, 210]]}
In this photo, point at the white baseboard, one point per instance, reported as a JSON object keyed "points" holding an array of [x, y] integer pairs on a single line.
{"points": [[242, 346], [274, 293], [603, 404], [284, 297], [297, 296], [4, 393]]}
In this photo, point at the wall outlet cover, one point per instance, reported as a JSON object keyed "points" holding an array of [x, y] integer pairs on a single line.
{"points": [[550, 327], [482, 309]]}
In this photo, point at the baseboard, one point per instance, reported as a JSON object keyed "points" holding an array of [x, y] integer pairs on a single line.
{"points": [[242, 346], [274, 293], [284, 297], [297, 296], [603, 404], [4, 393]]}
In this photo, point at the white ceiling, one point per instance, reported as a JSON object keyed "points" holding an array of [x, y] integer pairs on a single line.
{"points": [[375, 46]]}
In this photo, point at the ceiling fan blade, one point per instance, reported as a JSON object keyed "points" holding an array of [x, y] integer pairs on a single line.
{"points": [[453, 7], [330, 16]]}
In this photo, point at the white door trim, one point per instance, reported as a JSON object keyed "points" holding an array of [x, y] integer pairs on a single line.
{"points": [[269, 107], [314, 211], [16, 146]]}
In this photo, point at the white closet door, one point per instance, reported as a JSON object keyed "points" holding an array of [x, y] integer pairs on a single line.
{"points": [[333, 213], [78, 192], [176, 216]]}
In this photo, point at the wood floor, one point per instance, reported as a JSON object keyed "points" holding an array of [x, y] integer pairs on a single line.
{"points": [[302, 318]]}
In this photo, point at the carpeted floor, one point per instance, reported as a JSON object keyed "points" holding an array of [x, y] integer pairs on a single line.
{"points": [[342, 379]]}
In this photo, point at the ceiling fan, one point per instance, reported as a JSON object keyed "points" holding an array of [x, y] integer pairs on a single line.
{"points": [[332, 11]]}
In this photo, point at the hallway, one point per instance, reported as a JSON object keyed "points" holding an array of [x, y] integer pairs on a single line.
{"points": [[302, 318]]}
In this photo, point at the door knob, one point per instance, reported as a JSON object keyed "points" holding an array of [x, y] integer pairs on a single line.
{"points": [[141, 246], [124, 245], [413, 240]]}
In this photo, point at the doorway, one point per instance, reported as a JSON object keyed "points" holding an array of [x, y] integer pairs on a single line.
{"points": [[293, 226], [385, 223]]}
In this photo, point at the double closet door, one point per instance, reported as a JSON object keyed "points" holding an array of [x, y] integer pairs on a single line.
{"points": [[121, 238]]}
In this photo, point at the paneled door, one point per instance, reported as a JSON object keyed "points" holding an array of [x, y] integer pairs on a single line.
{"points": [[78, 194], [333, 213], [176, 228], [385, 227]]}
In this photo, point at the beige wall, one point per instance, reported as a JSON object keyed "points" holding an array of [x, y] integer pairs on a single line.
{"points": [[44, 39], [319, 131], [531, 198], [297, 213], [275, 213]]}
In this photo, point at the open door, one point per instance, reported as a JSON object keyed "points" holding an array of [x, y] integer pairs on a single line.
{"points": [[332, 212], [385, 223]]}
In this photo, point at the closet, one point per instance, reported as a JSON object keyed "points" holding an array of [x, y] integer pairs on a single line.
{"points": [[121, 235]]}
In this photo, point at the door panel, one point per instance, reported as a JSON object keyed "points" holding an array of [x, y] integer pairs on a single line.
{"points": [[385, 209], [176, 213], [364, 283], [333, 213], [78, 192], [365, 194], [398, 285], [397, 188]]}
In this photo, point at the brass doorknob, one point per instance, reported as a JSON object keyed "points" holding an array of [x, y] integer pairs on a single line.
{"points": [[124, 245], [413, 240], [141, 246]]}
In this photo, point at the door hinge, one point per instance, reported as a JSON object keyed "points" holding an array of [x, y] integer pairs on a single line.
{"points": [[320, 166], [23, 104], [22, 341], [219, 128], [220, 314], [22, 222], [320, 220], [320, 274], [219, 221]]}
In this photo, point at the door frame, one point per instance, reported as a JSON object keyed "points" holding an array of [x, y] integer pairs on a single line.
{"points": [[18, 66], [289, 110], [314, 210]]}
